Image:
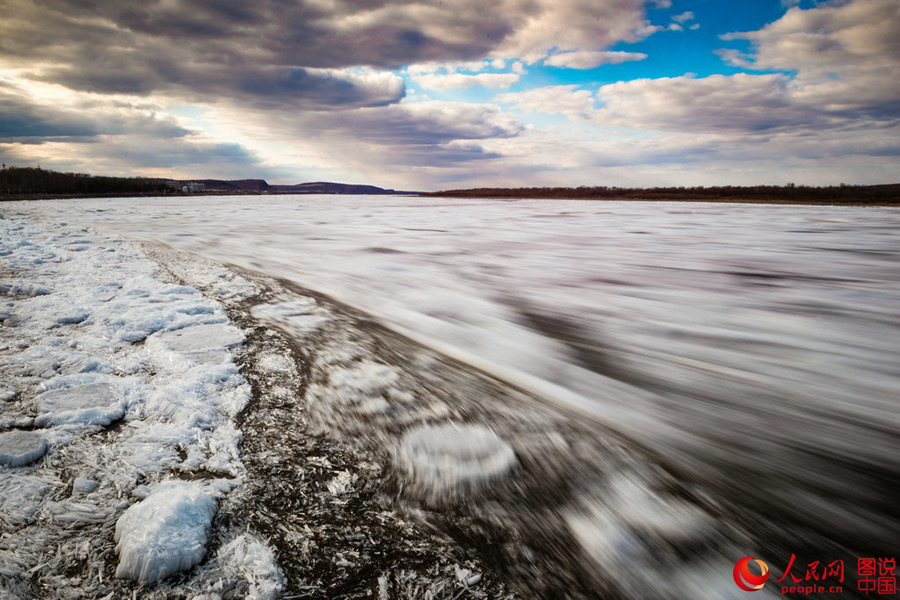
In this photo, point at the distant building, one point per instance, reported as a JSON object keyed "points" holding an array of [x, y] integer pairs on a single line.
{"points": [[193, 188]]}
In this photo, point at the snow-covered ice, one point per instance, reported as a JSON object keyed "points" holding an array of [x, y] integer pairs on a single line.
{"points": [[125, 382], [90, 404], [200, 338], [164, 533]]}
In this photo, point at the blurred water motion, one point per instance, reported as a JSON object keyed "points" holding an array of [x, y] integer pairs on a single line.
{"points": [[752, 349]]}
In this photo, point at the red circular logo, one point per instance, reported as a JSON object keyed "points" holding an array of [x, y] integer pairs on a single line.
{"points": [[746, 580]]}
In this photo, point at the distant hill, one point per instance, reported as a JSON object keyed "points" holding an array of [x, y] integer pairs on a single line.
{"points": [[766, 194], [325, 187], [234, 186], [34, 182], [261, 186]]}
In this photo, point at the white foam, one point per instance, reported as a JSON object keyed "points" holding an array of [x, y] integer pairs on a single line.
{"points": [[165, 533]]}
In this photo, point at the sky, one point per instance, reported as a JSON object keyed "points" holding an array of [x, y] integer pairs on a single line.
{"points": [[456, 93]]}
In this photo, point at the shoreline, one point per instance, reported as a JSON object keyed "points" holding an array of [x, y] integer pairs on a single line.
{"points": [[511, 198]]}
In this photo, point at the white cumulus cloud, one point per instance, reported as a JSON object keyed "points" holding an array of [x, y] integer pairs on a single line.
{"points": [[461, 80], [589, 59]]}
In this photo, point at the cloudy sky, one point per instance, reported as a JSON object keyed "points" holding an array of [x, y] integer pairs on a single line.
{"points": [[456, 93]]}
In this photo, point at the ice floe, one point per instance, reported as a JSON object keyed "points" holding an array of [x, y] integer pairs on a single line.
{"points": [[19, 448], [446, 460], [164, 533], [298, 317], [635, 534], [199, 338], [91, 404]]}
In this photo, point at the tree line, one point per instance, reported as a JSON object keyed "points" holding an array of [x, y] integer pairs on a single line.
{"points": [[26, 181], [849, 194]]}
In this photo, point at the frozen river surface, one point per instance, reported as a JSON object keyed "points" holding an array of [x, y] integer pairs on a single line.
{"points": [[753, 348]]}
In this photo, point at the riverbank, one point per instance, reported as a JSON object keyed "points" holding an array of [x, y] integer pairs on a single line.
{"points": [[843, 195]]}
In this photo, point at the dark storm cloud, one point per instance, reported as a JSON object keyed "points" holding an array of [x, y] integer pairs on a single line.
{"points": [[424, 123], [153, 154], [20, 120], [139, 155], [24, 118], [315, 89], [190, 49], [409, 135], [115, 46]]}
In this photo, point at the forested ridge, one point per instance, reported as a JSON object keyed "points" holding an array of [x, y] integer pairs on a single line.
{"points": [[24, 181], [849, 194]]}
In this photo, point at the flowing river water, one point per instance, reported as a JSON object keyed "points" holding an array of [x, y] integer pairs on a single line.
{"points": [[678, 379]]}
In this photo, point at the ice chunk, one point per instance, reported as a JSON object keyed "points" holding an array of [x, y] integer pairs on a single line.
{"points": [[20, 497], [297, 316], [367, 377], [165, 533], [200, 338], [73, 316], [84, 485], [202, 344], [446, 460], [275, 363], [342, 483], [251, 558], [19, 448], [625, 503], [71, 511], [91, 404], [28, 290], [632, 533]]}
